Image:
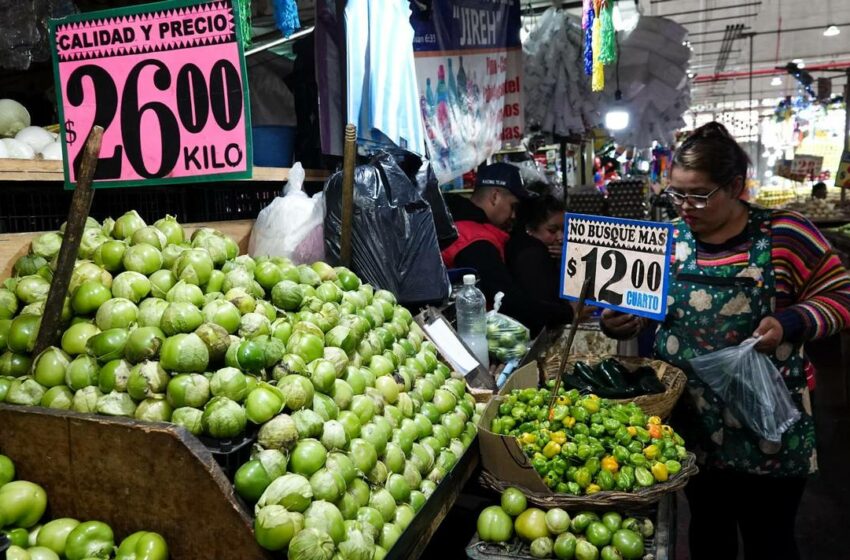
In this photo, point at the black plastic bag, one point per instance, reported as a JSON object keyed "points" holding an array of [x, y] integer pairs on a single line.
{"points": [[430, 189], [394, 241]]}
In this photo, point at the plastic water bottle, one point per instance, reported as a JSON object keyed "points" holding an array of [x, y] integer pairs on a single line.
{"points": [[472, 319]]}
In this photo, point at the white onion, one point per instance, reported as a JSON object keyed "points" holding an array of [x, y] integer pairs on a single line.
{"points": [[52, 151], [17, 149], [35, 136]]}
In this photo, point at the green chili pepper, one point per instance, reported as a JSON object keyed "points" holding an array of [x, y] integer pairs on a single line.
{"points": [[644, 477], [637, 459], [540, 464], [559, 466], [673, 467], [611, 425], [605, 480], [583, 477], [621, 454]]}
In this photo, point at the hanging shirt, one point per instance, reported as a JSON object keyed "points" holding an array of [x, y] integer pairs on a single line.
{"points": [[383, 95]]}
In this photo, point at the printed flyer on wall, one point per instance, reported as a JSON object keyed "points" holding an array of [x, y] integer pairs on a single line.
{"points": [[469, 72]]}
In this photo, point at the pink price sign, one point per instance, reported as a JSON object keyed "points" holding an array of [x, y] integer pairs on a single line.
{"points": [[167, 83]]}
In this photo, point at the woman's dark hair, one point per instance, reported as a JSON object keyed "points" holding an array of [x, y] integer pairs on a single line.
{"points": [[710, 149], [535, 211]]}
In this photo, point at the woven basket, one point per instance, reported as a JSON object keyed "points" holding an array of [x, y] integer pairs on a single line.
{"points": [[605, 499], [660, 405]]}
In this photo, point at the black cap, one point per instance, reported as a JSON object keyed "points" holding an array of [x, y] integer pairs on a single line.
{"points": [[502, 175]]}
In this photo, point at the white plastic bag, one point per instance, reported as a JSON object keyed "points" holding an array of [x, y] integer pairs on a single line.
{"points": [[751, 386], [292, 225]]}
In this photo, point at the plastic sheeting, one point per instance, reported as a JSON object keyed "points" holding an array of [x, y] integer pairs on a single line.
{"points": [[652, 78], [23, 30], [557, 90], [394, 240]]}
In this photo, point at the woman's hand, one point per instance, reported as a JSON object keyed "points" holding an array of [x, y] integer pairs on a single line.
{"points": [[620, 325], [771, 333], [585, 313], [555, 251]]}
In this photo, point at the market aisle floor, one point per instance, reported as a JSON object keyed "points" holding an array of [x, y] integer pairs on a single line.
{"points": [[822, 522]]}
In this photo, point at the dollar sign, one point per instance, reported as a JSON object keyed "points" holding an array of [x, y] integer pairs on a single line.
{"points": [[571, 267], [70, 133]]}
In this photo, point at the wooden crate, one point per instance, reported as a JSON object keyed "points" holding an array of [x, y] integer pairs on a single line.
{"points": [[16, 245], [131, 475]]}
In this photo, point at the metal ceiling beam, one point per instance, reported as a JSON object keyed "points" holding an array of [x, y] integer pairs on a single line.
{"points": [[712, 32], [709, 20], [733, 32], [795, 29], [710, 9], [717, 52], [768, 32], [731, 76]]}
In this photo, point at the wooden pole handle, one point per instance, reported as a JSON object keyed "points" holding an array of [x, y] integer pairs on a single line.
{"points": [[348, 163], [573, 328], [51, 319]]}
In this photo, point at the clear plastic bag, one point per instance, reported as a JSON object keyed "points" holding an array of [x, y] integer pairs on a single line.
{"points": [[292, 225], [751, 387], [507, 338]]}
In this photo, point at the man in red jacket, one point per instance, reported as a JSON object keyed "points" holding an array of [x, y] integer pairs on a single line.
{"points": [[483, 222]]}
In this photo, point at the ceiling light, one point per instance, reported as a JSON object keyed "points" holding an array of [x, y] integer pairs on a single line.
{"points": [[617, 117], [831, 31], [799, 62], [776, 81]]}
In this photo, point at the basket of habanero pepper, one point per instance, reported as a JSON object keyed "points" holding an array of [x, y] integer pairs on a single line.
{"points": [[590, 452], [653, 385]]}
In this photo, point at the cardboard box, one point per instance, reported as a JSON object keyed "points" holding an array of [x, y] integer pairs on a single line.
{"points": [[501, 455]]}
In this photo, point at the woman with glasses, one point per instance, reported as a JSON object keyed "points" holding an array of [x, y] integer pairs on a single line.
{"points": [[741, 271]]}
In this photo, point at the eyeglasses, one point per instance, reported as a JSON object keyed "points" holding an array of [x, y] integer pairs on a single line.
{"points": [[698, 201]]}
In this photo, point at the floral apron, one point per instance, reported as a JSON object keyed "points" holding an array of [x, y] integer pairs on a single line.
{"points": [[716, 307]]}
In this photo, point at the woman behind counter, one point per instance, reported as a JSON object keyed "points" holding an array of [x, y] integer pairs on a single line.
{"points": [[739, 271], [533, 256]]}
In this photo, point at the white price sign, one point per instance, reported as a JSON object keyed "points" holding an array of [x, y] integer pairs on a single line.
{"points": [[807, 166], [628, 262]]}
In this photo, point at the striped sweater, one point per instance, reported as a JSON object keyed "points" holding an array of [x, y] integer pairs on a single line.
{"points": [[812, 286]]}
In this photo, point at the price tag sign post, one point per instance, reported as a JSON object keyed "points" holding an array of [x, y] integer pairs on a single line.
{"points": [[627, 263], [165, 81]]}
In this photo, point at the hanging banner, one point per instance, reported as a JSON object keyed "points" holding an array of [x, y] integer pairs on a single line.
{"points": [[167, 83], [469, 72], [628, 262]]}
